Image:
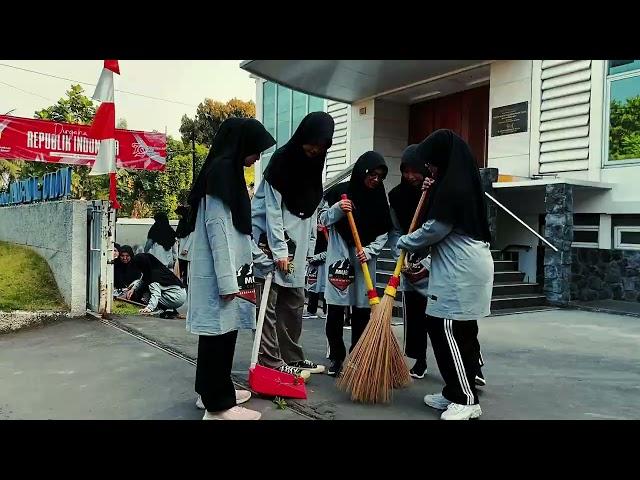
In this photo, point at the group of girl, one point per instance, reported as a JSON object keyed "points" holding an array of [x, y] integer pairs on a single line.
{"points": [[150, 278], [290, 224]]}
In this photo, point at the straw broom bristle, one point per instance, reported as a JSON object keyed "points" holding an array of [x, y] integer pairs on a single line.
{"points": [[376, 364]]}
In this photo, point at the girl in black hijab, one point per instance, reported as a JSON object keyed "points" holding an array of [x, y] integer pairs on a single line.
{"points": [[284, 216], [221, 298], [161, 240], [345, 282], [295, 169], [167, 291], [461, 276], [183, 234], [404, 199], [125, 272]]}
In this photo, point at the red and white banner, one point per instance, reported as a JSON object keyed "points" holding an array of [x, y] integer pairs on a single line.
{"points": [[35, 140]]}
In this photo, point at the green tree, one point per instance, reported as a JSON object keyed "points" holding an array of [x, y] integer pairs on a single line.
{"points": [[209, 115], [624, 129], [9, 171]]}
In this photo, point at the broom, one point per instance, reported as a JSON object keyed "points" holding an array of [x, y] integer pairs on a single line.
{"points": [[376, 364]]}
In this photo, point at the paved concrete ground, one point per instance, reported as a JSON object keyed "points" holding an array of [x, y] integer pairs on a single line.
{"points": [[559, 364], [83, 369], [613, 306], [563, 364]]}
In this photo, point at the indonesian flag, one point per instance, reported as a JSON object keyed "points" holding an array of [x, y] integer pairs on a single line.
{"points": [[103, 128]]}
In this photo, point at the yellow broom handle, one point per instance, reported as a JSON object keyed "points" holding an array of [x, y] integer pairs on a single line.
{"points": [[356, 239], [412, 227]]}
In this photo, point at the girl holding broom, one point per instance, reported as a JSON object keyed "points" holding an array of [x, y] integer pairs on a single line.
{"points": [[461, 276], [221, 297], [404, 200], [345, 284]]}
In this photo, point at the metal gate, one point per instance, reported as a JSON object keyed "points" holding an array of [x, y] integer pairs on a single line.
{"points": [[100, 226]]}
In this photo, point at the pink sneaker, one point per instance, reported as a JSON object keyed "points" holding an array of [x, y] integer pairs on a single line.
{"points": [[234, 413]]}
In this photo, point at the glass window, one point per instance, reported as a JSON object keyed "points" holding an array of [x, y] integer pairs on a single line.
{"points": [[630, 237], [299, 109], [623, 89], [284, 115], [316, 104], [585, 236], [269, 107], [621, 66]]}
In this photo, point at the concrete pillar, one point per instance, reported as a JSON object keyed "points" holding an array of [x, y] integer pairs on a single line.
{"points": [[559, 231]]}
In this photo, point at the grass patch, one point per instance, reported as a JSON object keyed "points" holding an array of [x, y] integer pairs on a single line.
{"points": [[26, 281], [123, 308]]}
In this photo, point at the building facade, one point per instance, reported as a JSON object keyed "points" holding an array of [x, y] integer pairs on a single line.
{"points": [[563, 135]]}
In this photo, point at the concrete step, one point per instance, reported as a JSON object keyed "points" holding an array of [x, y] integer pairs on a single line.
{"points": [[505, 266], [515, 311], [500, 302], [508, 277], [514, 288], [385, 264]]}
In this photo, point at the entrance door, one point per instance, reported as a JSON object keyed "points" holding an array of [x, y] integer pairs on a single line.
{"points": [[466, 113]]}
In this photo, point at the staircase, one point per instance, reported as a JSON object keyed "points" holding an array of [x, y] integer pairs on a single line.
{"points": [[511, 294]]}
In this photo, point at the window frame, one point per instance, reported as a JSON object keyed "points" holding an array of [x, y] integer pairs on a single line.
{"points": [[609, 79], [586, 228], [617, 237]]}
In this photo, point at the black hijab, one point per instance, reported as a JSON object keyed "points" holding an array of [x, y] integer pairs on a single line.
{"points": [[125, 273], [297, 177], [182, 228], [404, 197], [371, 209], [456, 196], [222, 174], [161, 232], [153, 271]]}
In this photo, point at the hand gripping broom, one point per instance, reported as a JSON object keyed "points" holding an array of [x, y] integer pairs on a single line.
{"points": [[376, 364]]}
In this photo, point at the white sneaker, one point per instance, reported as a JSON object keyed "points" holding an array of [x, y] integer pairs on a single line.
{"points": [[455, 411], [234, 413], [242, 396], [437, 401]]}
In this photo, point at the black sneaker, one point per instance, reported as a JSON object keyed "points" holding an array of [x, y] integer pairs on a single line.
{"points": [[334, 369], [418, 370], [480, 381], [309, 366], [169, 314]]}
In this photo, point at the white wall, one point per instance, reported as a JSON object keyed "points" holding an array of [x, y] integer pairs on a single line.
{"points": [[362, 128], [133, 231], [57, 231], [510, 83], [510, 232], [391, 131]]}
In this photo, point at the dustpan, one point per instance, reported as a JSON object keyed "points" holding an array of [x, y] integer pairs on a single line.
{"points": [[267, 381]]}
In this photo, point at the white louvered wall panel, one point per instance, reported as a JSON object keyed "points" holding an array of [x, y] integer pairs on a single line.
{"points": [[338, 154], [564, 118]]}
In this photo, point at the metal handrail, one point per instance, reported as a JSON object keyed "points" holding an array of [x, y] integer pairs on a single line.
{"points": [[521, 222]]}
